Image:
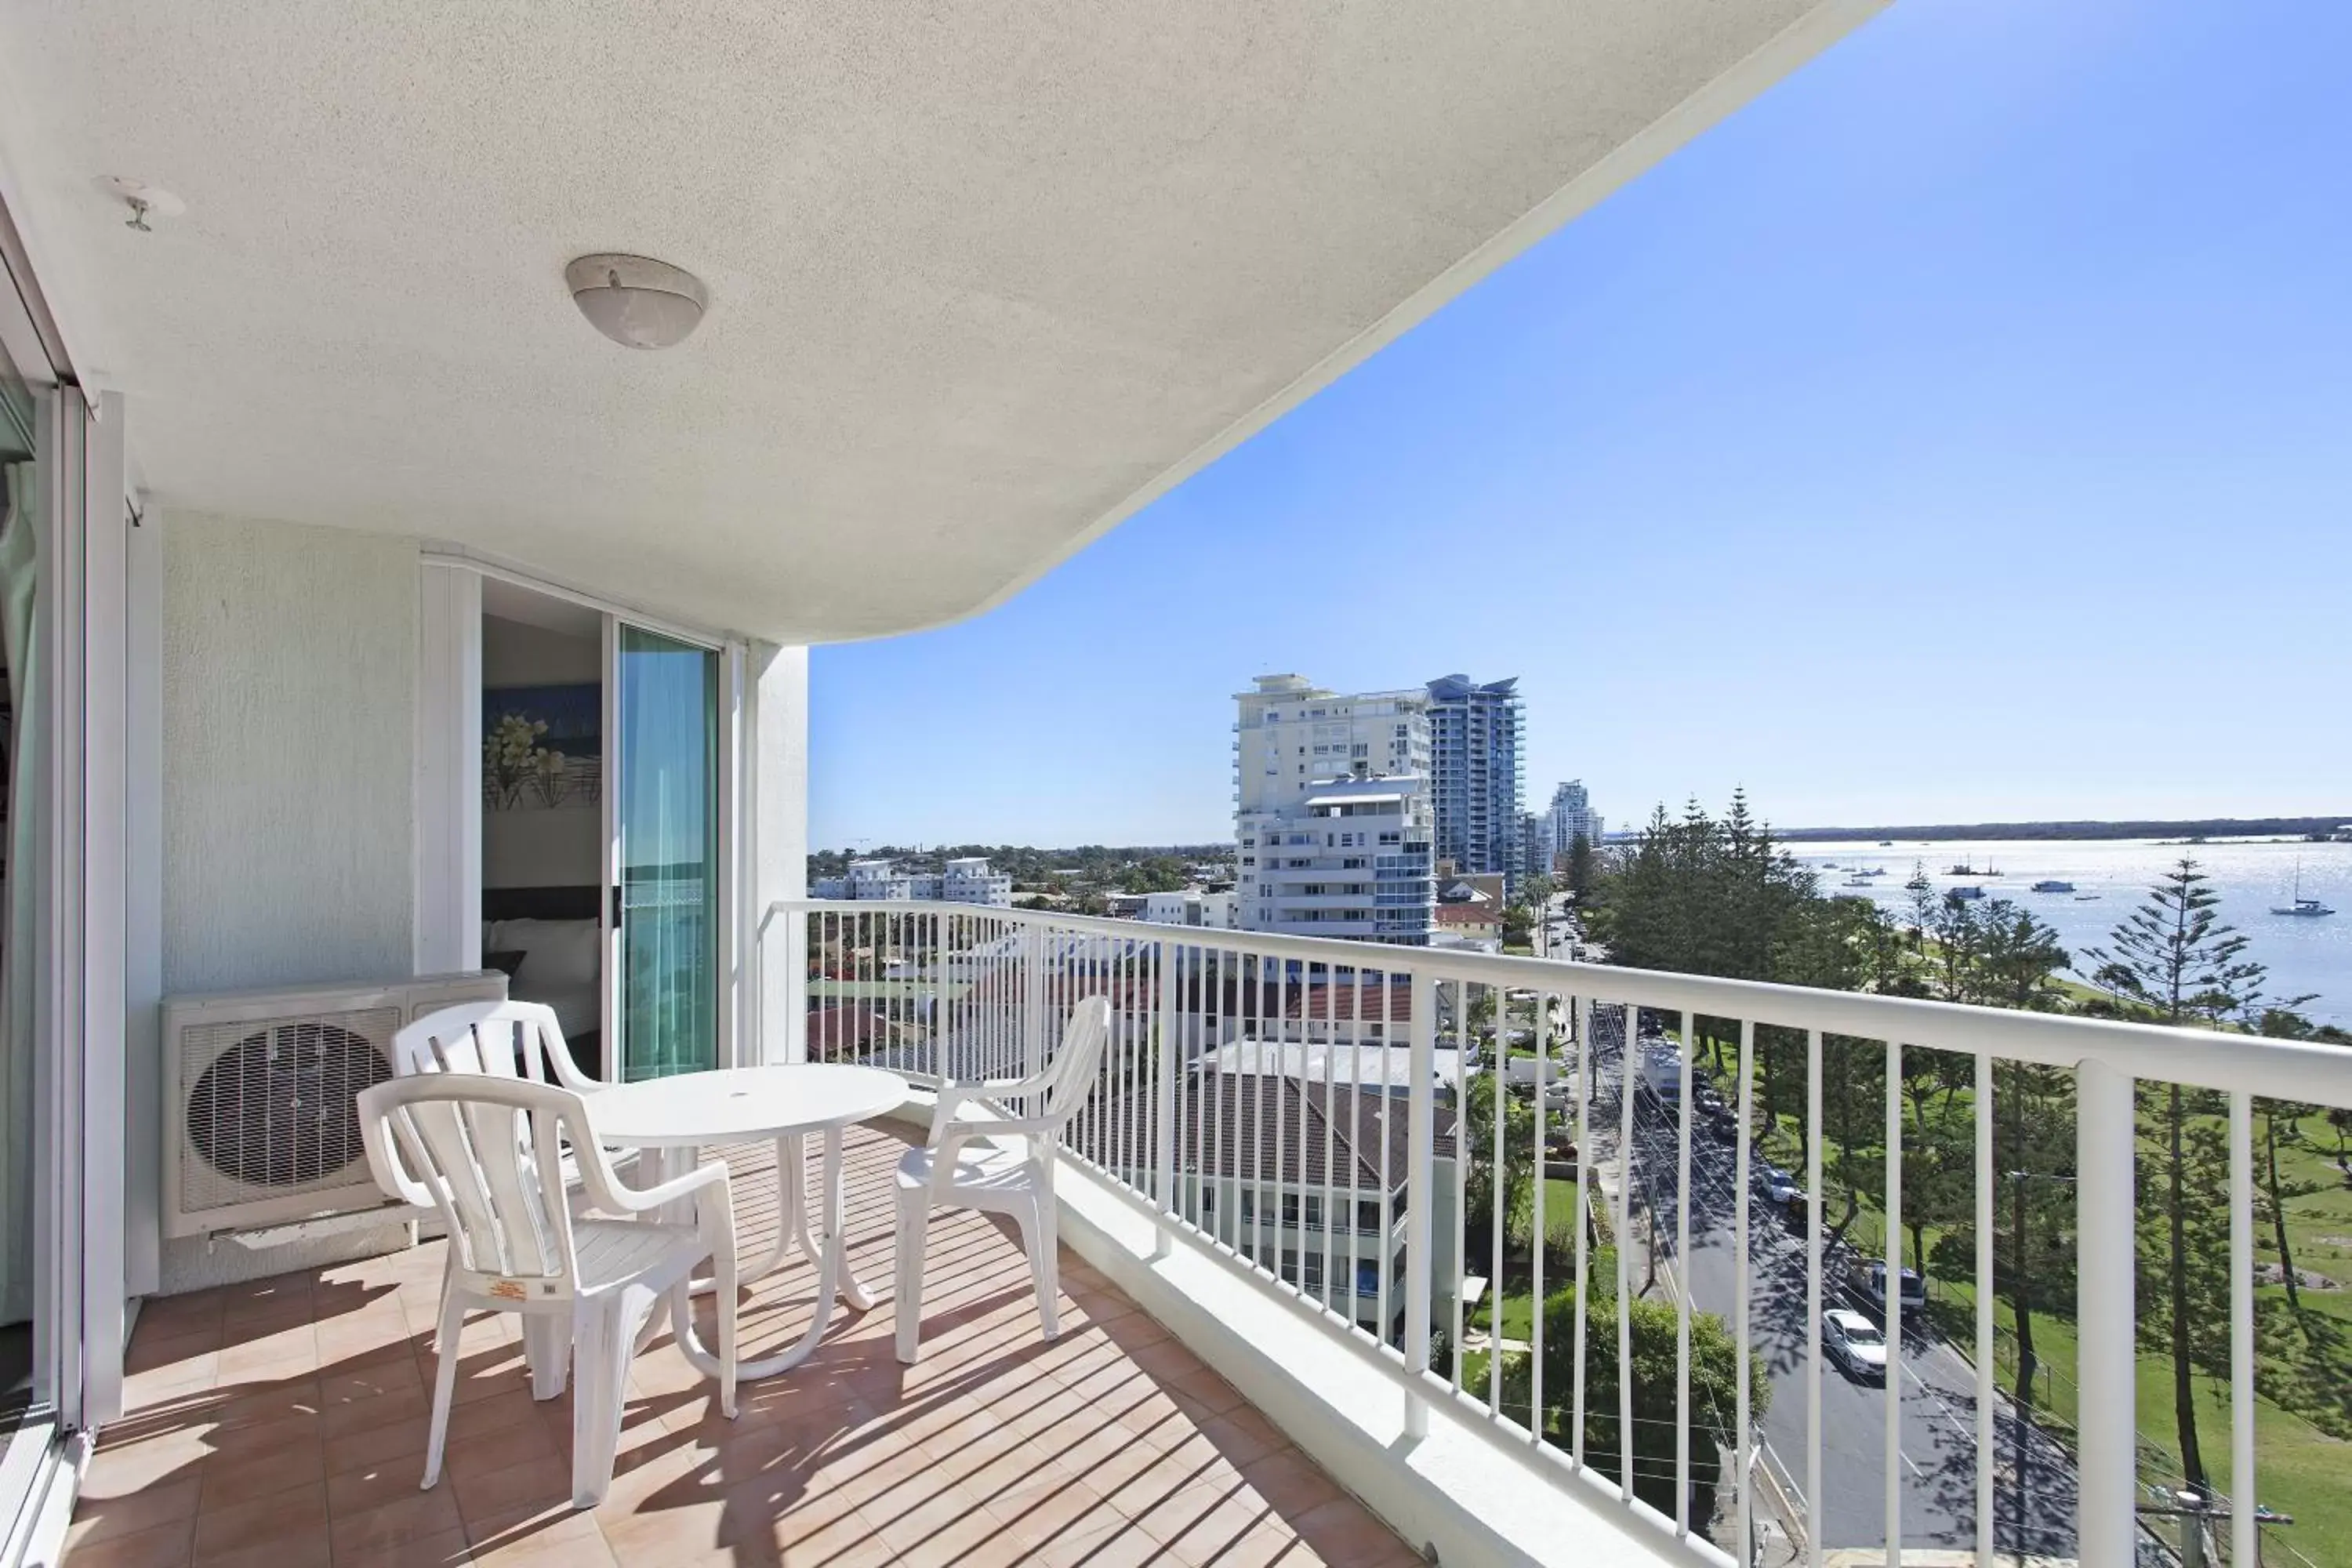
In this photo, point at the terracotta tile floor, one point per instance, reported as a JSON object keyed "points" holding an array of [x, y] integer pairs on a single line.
{"points": [[282, 1423]]}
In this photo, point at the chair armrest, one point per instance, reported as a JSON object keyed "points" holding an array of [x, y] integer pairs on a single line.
{"points": [[952, 1096], [615, 1196], [383, 1165], [558, 1052], [945, 1144]]}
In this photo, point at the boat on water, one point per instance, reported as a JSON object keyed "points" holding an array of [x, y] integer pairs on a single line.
{"points": [[2306, 907], [2053, 886], [1856, 880], [1886, 843], [2086, 897], [1965, 894], [1965, 870], [2299, 906]]}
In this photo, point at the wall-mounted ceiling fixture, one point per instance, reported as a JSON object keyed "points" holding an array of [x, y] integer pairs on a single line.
{"points": [[144, 201], [636, 300]]}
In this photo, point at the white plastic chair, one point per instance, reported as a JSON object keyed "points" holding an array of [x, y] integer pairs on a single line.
{"points": [[1014, 1175], [485, 1151], [509, 1039]]}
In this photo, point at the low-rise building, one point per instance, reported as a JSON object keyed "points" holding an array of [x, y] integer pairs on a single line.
{"points": [[1472, 921], [1190, 907], [967, 879]]}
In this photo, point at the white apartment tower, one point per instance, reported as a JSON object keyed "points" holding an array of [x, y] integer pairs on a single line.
{"points": [[1332, 814], [1571, 814]]}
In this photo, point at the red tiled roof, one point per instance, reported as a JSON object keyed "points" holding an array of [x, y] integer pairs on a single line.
{"points": [[1319, 1003]]}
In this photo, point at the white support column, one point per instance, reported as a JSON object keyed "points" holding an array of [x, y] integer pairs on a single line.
{"points": [[2103, 1222], [144, 951], [105, 903], [776, 783], [449, 769]]}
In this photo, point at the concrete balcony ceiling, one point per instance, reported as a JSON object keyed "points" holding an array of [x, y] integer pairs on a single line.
{"points": [[983, 280]]}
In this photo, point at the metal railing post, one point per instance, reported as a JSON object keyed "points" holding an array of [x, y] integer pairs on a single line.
{"points": [[1167, 1050], [2103, 1222], [1032, 1000], [1420, 1179]]}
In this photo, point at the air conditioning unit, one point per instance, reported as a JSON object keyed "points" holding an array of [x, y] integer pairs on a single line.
{"points": [[259, 1123]]}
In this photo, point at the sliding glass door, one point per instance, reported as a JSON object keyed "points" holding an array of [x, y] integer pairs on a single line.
{"points": [[664, 901]]}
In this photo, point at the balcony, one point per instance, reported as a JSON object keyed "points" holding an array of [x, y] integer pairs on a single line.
{"points": [[1201, 1407], [1431, 1407], [284, 1422]]}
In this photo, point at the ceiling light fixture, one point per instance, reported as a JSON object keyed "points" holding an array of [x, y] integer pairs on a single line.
{"points": [[636, 300], [144, 201]]}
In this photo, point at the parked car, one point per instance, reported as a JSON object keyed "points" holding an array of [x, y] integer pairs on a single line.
{"points": [[1775, 1185], [1854, 1342], [1871, 1286]]}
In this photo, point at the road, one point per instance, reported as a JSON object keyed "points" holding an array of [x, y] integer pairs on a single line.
{"points": [[1938, 1488]]}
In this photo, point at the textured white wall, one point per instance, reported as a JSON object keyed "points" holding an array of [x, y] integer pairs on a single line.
{"points": [[289, 692]]}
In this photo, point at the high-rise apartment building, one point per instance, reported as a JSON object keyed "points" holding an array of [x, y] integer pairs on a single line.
{"points": [[1535, 851], [1477, 786], [1571, 814], [1332, 815]]}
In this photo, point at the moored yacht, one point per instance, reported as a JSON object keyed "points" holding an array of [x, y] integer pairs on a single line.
{"points": [[2306, 909]]}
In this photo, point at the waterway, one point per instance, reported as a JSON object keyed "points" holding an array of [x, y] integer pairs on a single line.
{"points": [[2113, 875]]}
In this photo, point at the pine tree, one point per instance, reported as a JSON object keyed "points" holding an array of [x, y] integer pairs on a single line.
{"points": [[2174, 959]]}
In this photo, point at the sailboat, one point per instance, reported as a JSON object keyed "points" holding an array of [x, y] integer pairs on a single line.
{"points": [[2309, 909]]}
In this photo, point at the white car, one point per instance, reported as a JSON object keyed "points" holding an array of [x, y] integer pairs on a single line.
{"points": [[1775, 1185], [1854, 1342]]}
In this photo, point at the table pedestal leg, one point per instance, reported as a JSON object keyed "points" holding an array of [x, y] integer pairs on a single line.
{"points": [[833, 1278]]}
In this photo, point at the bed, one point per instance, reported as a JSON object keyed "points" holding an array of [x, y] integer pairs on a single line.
{"points": [[548, 942]]}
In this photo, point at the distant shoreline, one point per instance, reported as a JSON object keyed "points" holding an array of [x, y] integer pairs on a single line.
{"points": [[2210, 827]]}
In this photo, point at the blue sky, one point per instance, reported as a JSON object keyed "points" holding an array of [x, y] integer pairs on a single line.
{"points": [[1963, 431]]}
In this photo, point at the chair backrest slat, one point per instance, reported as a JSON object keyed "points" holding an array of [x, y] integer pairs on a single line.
{"points": [[488, 1149], [503, 1040], [1075, 1061]]}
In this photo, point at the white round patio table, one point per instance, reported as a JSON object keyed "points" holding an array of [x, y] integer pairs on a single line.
{"points": [[673, 1119]]}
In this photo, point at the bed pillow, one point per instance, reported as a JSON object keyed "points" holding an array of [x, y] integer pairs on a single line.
{"points": [[555, 953]]}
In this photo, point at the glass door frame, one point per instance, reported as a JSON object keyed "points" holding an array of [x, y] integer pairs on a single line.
{"points": [[452, 777], [731, 964]]}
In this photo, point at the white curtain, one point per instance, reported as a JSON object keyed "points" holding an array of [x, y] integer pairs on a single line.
{"points": [[19, 569]]}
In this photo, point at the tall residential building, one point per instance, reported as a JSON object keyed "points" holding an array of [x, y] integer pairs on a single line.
{"points": [[1536, 850], [1332, 816], [1478, 783], [1571, 814]]}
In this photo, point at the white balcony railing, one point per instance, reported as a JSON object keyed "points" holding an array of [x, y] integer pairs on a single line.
{"points": [[1387, 1045]]}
